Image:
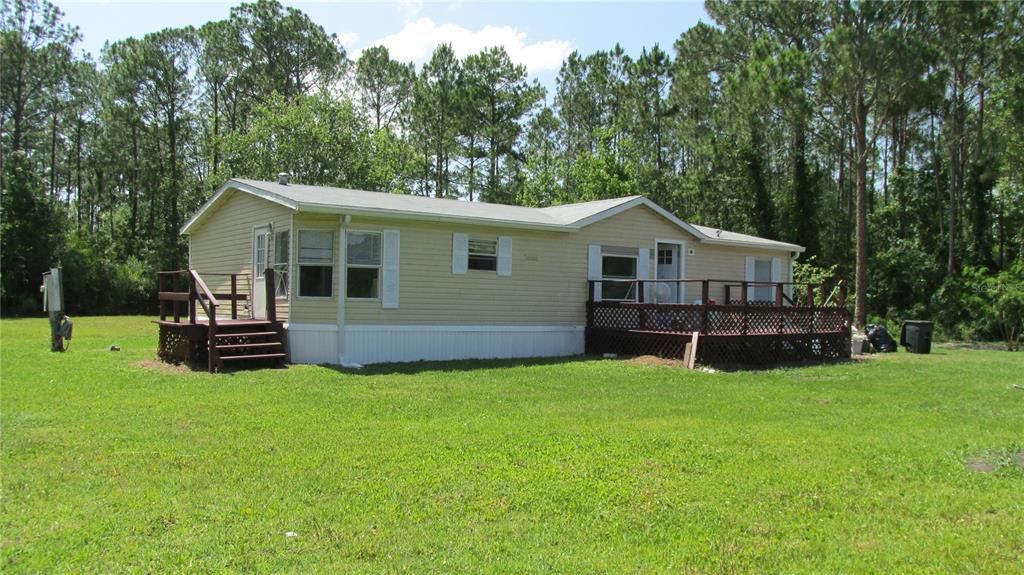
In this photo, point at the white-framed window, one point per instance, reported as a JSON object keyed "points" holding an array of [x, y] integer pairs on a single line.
{"points": [[483, 254], [618, 267], [363, 261], [666, 256], [259, 251], [282, 259], [316, 263]]}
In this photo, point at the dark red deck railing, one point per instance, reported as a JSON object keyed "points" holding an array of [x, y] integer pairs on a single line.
{"points": [[795, 312]]}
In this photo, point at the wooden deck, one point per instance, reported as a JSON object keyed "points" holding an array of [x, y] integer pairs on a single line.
{"points": [[813, 326], [208, 339]]}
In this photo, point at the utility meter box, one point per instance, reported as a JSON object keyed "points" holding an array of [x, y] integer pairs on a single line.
{"points": [[53, 296]]}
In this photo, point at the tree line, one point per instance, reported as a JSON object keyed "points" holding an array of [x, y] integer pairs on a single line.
{"points": [[886, 137]]}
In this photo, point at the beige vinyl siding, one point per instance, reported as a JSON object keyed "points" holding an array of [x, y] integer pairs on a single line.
{"points": [[222, 243], [548, 285], [724, 263], [314, 310], [429, 293]]}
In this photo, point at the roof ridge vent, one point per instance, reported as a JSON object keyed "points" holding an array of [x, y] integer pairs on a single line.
{"points": [[282, 178]]}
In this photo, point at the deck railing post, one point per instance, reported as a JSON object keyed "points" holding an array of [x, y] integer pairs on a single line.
{"points": [[159, 290], [192, 296], [778, 307], [211, 343], [842, 294], [234, 296], [177, 311], [744, 291], [268, 283], [824, 293], [810, 295], [705, 294]]}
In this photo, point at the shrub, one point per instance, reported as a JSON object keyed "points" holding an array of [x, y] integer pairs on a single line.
{"points": [[995, 302]]}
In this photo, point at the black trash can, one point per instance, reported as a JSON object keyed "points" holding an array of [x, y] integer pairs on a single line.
{"points": [[916, 336]]}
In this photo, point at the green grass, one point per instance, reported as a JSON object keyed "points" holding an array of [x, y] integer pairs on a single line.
{"points": [[109, 465]]}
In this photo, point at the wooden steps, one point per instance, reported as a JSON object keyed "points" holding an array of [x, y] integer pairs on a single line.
{"points": [[247, 334], [253, 356], [243, 341]]}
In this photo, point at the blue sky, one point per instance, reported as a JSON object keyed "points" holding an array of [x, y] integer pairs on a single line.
{"points": [[536, 34]]}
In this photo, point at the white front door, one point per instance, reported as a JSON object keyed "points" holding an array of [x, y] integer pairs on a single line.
{"points": [[668, 269], [260, 240]]}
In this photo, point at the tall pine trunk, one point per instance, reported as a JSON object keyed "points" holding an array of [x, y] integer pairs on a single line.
{"points": [[860, 120]]}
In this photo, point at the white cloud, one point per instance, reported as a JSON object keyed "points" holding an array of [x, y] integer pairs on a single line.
{"points": [[416, 42], [409, 9], [348, 38]]}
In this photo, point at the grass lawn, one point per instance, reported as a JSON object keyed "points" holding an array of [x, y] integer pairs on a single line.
{"points": [[900, 463]]}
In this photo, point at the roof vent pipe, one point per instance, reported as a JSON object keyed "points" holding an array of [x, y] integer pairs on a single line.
{"points": [[282, 178]]}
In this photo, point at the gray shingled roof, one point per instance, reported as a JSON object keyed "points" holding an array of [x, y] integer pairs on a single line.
{"points": [[306, 197], [735, 237], [566, 218]]}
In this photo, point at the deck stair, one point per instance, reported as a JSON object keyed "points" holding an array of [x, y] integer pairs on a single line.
{"points": [[250, 341]]}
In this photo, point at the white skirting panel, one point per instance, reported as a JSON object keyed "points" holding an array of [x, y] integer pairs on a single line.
{"points": [[312, 343], [366, 344]]}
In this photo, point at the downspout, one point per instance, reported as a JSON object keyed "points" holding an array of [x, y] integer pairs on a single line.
{"points": [[292, 260]]}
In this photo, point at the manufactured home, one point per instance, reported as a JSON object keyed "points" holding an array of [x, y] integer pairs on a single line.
{"points": [[355, 277]]}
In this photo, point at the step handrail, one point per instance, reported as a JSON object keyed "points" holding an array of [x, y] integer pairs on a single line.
{"points": [[211, 313]]}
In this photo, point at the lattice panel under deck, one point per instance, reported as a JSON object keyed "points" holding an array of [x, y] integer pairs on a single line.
{"points": [[772, 349], [182, 343], [757, 350]]}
